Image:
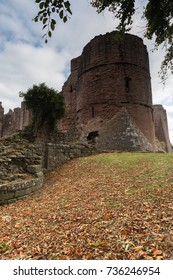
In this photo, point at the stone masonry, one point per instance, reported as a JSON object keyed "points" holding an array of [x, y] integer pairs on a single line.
{"points": [[20, 168], [108, 108], [14, 121], [161, 127], [108, 99], [108, 96], [22, 162]]}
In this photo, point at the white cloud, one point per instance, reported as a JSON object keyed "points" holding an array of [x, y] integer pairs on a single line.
{"points": [[25, 65], [26, 60]]}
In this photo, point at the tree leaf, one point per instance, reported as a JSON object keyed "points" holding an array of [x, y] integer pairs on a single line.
{"points": [[61, 14], [49, 34], [41, 5], [44, 20], [64, 19], [52, 25], [44, 26]]}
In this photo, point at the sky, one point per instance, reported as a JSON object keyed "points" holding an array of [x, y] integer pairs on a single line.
{"points": [[26, 60]]}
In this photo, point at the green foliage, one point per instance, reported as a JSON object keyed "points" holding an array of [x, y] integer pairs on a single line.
{"points": [[49, 7], [3, 247], [158, 15], [46, 105], [122, 10]]}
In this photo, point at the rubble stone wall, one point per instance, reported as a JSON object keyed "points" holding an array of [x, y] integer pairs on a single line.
{"points": [[58, 154], [23, 163], [20, 168], [11, 192]]}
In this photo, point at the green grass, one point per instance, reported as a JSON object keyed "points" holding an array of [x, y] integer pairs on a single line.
{"points": [[140, 174]]}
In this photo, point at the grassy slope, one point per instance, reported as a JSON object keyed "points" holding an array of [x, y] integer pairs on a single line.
{"points": [[109, 206]]}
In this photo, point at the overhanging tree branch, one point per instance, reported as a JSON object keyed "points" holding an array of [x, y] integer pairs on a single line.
{"points": [[157, 13]]}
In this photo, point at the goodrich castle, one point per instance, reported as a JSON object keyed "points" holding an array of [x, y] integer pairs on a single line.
{"points": [[108, 99]]}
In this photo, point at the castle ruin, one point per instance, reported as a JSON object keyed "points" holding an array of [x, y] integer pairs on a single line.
{"points": [[14, 121], [108, 99]]}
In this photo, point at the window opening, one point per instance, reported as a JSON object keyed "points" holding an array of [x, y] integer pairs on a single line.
{"points": [[93, 111], [127, 84], [92, 136]]}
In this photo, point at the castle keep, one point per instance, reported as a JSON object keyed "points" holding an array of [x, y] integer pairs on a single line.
{"points": [[108, 99], [108, 96]]}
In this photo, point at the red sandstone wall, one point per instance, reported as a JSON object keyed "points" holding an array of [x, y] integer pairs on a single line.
{"points": [[69, 89], [15, 120], [161, 126], [26, 116], [12, 122], [110, 74]]}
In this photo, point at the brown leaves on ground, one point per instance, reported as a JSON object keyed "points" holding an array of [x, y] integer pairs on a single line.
{"points": [[110, 206]]}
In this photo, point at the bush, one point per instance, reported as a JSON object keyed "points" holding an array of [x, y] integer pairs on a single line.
{"points": [[46, 105]]}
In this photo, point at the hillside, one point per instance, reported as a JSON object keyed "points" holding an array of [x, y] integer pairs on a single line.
{"points": [[109, 206]]}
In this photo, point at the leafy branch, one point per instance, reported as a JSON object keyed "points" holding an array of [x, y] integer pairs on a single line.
{"points": [[49, 7], [158, 15], [122, 10]]}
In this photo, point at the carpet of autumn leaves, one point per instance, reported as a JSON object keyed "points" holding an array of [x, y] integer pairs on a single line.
{"points": [[109, 206]]}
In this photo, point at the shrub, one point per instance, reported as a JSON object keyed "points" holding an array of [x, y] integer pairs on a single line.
{"points": [[46, 105]]}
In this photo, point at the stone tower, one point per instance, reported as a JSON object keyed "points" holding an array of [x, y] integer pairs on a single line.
{"points": [[108, 94]]}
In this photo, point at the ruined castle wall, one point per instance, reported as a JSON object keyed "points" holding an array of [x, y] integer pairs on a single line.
{"points": [[161, 127], [22, 163], [26, 116], [11, 192], [69, 89], [57, 154], [14, 121], [20, 168], [109, 82], [113, 74]]}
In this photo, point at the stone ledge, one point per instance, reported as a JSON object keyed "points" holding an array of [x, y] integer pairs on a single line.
{"points": [[11, 192]]}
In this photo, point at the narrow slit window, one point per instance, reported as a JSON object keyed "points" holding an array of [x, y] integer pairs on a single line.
{"points": [[127, 84], [93, 111]]}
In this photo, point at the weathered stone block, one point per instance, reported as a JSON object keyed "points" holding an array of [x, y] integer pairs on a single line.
{"points": [[34, 169], [11, 200], [19, 193], [7, 195]]}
